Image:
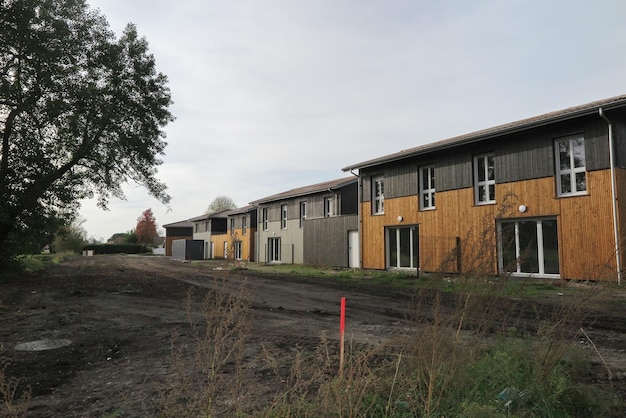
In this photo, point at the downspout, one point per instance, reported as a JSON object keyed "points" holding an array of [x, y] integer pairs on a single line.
{"points": [[618, 257], [358, 215]]}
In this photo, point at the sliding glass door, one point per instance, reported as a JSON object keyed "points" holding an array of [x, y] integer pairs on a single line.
{"points": [[402, 247], [529, 247]]}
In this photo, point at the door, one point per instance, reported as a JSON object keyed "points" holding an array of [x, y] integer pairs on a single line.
{"points": [[529, 247], [225, 249], [273, 247], [212, 255], [402, 247], [353, 249]]}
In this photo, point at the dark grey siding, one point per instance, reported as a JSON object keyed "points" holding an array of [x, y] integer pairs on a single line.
{"points": [[315, 206], [523, 158], [619, 140], [453, 171], [219, 225], [179, 231], [401, 180], [349, 199], [326, 240]]}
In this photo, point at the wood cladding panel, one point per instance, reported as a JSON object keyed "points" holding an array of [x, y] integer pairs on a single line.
{"points": [[326, 240], [586, 245]]}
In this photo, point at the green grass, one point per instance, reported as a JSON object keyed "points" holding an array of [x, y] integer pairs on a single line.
{"points": [[37, 262]]}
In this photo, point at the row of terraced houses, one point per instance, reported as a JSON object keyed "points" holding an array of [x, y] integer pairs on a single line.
{"points": [[539, 197]]}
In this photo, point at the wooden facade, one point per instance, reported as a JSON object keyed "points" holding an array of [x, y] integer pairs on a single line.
{"points": [[460, 234], [238, 241]]}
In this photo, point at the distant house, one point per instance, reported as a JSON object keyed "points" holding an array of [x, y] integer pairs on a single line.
{"points": [[237, 242], [158, 246], [205, 227], [315, 224], [176, 231], [540, 197]]}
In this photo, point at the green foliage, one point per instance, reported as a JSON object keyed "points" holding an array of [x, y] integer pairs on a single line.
{"points": [[221, 203], [70, 238], [117, 248], [81, 113]]}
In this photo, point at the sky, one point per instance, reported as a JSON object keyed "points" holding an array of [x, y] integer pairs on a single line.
{"points": [[270, 95]]}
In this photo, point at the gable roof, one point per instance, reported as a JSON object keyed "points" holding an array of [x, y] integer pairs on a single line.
{"points": [[239, 211], [508, 128], [214, 215], [307, 190], [180, 224]]}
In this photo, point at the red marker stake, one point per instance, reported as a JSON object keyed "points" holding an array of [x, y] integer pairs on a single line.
{"points": [[342, 327]]}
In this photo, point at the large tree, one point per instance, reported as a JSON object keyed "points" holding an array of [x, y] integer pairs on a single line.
{"points": [[81, 113], [146, 229], [221, 203]]}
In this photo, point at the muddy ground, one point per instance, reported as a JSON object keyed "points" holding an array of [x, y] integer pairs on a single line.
{"points": [[113, 318]]}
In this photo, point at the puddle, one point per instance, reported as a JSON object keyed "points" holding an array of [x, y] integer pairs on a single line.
{"points": [[41, 345]]}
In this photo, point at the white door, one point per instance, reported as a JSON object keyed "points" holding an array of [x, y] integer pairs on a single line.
{"points": [[353, 249], [212, 250]]}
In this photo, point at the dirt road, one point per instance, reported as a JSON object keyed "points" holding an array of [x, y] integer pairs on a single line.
{"points": [[113, 318]]}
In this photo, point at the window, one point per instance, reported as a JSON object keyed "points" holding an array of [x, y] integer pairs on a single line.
{"points": [[378, 195], [484, 179], [283, 216], [402, 248], [570, 163], [225, 249], [244, 225], [529, 247], [237, 248], [264, 219], [207, 226], [302, 213], [427, 188], [197, 227], [328, 207], [232, 226]]}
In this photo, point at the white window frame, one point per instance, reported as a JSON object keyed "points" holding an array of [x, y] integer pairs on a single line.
{"points": [[232, 226], [273, 249], [378, 195], [244, 225], [237, 250], [302, 213], [570, 171], [283, 216], [264, 218], [328, 207], [484, 198], [518, 250], [429, 191]]}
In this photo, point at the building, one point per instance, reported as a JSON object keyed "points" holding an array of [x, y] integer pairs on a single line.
{"points": [[539, 197], [237, 242], [313, 224], [205, 227], [176, 231]]}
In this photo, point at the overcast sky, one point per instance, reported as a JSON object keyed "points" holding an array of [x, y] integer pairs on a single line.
{"points": [[275, 94]]}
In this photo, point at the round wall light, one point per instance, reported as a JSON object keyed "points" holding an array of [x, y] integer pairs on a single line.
{"points": [[400, 218], [522, 208]]}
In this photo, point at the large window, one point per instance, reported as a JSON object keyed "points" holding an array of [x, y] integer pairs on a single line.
{"points": [[264, 219], [570, 163], [283, 216], [402, 247], [529, 247], [302, 213], [427, 188], [484, 179], [378, 195]]}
